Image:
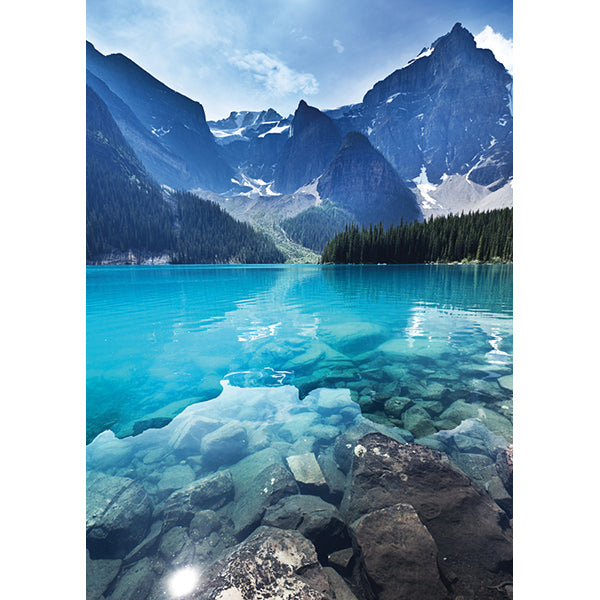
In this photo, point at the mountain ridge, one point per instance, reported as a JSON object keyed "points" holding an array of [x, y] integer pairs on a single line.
{"points": [[442, 123]]}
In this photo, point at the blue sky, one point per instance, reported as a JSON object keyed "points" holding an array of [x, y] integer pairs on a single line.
{"points": [[254, 54]]}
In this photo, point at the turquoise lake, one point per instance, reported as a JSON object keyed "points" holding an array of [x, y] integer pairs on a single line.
{"points": [[161, 338]]}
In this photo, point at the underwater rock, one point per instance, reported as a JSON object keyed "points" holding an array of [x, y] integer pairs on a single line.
{"points": [[118, 514], [99, 574], [472, 436], [353, 337], [504, 466], [471, 532], [397, 555], [298, 425], [187, 431], [315, 519], [307, 473], [225, 445], [210, 492], [336, 480], [396, 405], [271, 563], [146, 546], [418, 422], [203, 524], [175, 477], [267, 488], [341, 559], [455, 414], [340, 588], [135, 582], [501, 497], [506, 382]]}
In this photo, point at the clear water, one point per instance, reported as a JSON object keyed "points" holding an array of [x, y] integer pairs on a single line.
{"points": [[162, 338], [204, 372]]}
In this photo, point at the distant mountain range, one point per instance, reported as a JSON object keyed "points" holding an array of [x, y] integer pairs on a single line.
{"points": [[433, 137]]}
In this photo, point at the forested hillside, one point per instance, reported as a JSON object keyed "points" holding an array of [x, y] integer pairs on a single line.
{"points": [[476, 236], [124, 207], [126, 211], [316, 225], [208, 234]]}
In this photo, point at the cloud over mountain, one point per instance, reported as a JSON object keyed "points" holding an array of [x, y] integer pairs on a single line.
{"points": [[274, 75]]}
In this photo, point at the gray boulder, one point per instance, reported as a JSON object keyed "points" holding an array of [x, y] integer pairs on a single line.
{"points": [[314, 518], [398, 556], [267, 488], [210, 492], [272, 563], [135, 582], [98, 575], [308, 474], [225, 445], [118, 514]]}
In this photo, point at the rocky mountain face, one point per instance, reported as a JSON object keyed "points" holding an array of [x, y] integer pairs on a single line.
{"points": [[438, 130], [252, 141], [448, 110], [361, 181], [187, 155], [313, 143]]}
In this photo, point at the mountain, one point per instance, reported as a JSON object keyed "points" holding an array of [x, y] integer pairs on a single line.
{"points": [[313, 142], [362, 182], [252, 141], [448, 111], [130, 219], [125, 209], [432, 138], [190, 158]]}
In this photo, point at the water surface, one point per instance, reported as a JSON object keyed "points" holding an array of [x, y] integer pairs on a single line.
{"points": [[162, 338]]}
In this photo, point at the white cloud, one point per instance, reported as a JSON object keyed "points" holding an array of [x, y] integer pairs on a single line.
{"points": [[498, 44], [338, 46], [274, 75]]}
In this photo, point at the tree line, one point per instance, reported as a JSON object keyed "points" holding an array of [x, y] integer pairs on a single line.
{"points": [[476, 236]]}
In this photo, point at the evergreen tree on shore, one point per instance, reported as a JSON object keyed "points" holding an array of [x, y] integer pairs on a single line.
{"points": [[485, 237]]}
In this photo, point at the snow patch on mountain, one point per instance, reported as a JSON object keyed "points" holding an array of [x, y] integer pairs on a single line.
{"points": [[425, 188]]}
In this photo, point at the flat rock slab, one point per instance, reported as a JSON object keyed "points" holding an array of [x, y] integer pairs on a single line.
{"points": [[398, 555], [307, 473], [272, 563], [118, 514], [472, 533], [271, 485], [225, 445]]}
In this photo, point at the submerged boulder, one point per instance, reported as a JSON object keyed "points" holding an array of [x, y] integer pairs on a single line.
{"points": [[314, 518], [268, 487], [210, 492], [118, 515]]}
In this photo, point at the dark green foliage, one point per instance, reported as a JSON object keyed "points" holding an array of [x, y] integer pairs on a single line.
{"points": [[127, 211], [316, 225], [209, 235], [486, 237], [124, 207]]}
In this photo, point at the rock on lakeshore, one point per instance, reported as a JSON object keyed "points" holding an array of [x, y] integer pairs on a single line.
{"points": [[271, 563], [398, 556], [472, 534]]}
